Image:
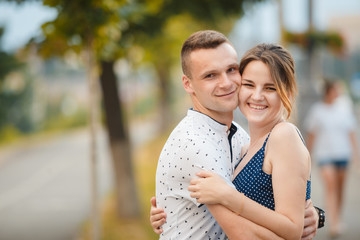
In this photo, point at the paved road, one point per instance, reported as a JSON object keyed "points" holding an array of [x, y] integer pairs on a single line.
{"points": [[45, 187]]}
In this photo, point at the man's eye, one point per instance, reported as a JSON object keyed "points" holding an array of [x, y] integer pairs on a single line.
{"points": [[209, 75], [233, 69]]}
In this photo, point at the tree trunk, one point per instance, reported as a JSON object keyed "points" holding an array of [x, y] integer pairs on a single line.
{"points": [[126, 196], [165, 115], [92, 75]]}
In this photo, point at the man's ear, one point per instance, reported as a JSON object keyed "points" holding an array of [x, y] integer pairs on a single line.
{"points": [[187, 84]]}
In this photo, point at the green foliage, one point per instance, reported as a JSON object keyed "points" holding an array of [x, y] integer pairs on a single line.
{"points": [[310, 39], [167, 24], [9, 133], [205, 11], [8, 62], [16, 103], [112, 27], [84, 23], [59, 121], [15, 97]]}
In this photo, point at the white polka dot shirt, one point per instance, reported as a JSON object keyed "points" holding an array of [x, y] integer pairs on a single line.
{"points": [[197, 142]]}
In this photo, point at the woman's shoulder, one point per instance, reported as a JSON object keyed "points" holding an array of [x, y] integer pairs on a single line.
{"points": [[286, 138], [284, 131], [286, 135]]}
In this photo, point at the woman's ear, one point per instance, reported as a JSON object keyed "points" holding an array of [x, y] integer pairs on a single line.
{"points": [[187, 84]]}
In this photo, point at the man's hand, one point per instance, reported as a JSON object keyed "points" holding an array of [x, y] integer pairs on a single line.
{"points": [[310, 221], [157, 217]]}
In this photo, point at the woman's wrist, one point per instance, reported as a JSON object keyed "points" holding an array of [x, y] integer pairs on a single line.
{"points": [[225, 198], [233, 200]]}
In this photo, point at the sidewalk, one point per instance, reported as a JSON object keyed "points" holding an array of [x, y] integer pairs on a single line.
{"points": [[45, 191]]}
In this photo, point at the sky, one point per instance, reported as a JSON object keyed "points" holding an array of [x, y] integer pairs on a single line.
{"points": [[23, 21]]}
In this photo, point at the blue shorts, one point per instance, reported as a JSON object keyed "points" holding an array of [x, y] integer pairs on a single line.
{"points": [[337, 163]]}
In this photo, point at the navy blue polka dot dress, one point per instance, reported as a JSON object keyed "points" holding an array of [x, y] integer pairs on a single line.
{"points": [[256, 184]]}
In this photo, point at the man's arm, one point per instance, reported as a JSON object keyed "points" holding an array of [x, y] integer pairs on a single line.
{"points": [[355, 148], [237, 227]]}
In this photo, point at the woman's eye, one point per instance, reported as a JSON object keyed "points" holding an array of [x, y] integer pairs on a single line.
{"points": [[271, 89], [247, 85]]}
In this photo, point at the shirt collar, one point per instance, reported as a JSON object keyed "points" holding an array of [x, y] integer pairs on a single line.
{"points": [[212, 122]]}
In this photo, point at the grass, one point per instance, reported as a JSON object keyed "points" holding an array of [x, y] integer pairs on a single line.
{"points": [[113, 228]]}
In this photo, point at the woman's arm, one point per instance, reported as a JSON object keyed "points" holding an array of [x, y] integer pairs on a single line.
{"points": [[355, 147], [237, 227], [290, 163], [310, 141]]}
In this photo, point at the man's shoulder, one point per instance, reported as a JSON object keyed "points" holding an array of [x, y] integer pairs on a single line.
{"points": [[191, 126]]}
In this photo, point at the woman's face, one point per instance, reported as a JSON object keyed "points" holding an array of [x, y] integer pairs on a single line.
{"points": [[258, 99], [333, 92]]}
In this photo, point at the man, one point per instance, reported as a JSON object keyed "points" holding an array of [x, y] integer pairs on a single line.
{"points": [[205, 139]]}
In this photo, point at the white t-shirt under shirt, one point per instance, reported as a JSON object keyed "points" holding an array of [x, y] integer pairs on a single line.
{"points": [[198, 142], [331, 124]]}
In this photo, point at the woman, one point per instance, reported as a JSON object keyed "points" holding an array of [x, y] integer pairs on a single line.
{"points": [[331, 138], [272, 178]]}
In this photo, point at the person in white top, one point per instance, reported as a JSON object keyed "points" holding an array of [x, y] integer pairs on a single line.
{"points": [[207, 138], [331, 138]]}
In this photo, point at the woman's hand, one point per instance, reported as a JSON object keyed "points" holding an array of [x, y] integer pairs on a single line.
{"points": [[157, 217], [209, 188]]}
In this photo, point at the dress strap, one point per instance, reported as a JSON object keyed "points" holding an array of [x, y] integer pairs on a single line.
{"points": [[266, 139], [302, 139], [236, 165]]}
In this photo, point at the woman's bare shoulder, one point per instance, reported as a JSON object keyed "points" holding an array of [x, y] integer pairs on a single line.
{"points": [[284, 132]]}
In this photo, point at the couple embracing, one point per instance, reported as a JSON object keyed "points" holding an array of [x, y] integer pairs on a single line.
{"points": [[213, 180]]}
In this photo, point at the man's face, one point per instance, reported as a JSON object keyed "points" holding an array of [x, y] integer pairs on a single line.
{"points": [[214, 80]]}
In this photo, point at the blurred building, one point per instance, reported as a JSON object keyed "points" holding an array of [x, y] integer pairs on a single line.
{"points": [[348, 27]]}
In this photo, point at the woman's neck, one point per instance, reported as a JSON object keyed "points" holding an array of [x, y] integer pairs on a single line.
{"points": [[329, 100], [257, 131]]}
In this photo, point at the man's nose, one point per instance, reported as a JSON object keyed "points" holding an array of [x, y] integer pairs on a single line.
{"points": [[225, 81]]}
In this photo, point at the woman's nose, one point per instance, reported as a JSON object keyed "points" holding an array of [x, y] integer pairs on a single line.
{"points": [[257, 94]]}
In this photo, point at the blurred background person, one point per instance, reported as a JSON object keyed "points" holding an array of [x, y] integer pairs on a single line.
{"points": [[331, 138]]}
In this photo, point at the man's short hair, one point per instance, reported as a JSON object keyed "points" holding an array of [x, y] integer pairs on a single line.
{"points": [[207, 39]]}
